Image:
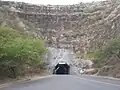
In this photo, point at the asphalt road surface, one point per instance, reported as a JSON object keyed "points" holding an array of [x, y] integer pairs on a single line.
{"points": [[67, 82]]}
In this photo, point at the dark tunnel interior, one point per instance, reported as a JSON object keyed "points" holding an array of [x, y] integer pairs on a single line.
{"points": [[61, 69]]}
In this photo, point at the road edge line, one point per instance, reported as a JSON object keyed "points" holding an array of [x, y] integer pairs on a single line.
{"points": [[106, 77], [96, 81]]}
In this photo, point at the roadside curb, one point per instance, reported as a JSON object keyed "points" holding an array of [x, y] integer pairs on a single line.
{"points": [[112, 78], [24, 80], [106, 77]]}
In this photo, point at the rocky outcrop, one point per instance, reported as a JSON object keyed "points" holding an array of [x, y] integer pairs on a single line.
{"points": [[81, 27]]}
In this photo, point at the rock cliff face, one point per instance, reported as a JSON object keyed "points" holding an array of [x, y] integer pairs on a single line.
{"points": [[80, 27]]}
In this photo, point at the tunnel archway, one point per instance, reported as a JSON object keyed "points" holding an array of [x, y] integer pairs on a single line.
{"points": [[61, 68]]}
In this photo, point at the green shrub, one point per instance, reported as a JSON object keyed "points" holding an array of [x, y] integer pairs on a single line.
{"points": [[17, 52], [111, 49]]}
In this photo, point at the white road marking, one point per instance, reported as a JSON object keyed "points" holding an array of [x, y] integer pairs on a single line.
{"points": [[99, 82], [109, 78]]}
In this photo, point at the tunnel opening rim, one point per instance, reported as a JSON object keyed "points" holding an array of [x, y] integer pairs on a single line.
{"points": [[58, 68]]}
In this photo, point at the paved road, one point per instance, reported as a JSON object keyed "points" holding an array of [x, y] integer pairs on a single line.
{"points": [[68, 82]]}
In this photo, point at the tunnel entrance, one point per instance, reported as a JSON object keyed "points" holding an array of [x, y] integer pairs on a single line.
{"points": [[61, 68]]}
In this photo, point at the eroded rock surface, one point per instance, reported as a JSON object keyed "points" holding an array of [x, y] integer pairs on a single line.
{"points": [[81, 27]]}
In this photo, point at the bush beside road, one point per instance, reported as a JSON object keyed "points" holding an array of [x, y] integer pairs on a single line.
{"points": [[20, 54]]}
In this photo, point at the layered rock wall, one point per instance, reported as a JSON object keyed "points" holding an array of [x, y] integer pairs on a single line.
{"points": [[81, 27]]}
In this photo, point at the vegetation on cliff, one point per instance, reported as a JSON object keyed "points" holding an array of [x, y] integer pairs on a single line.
{"points": [[19, 53], [108, 58], [83, 27]]}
